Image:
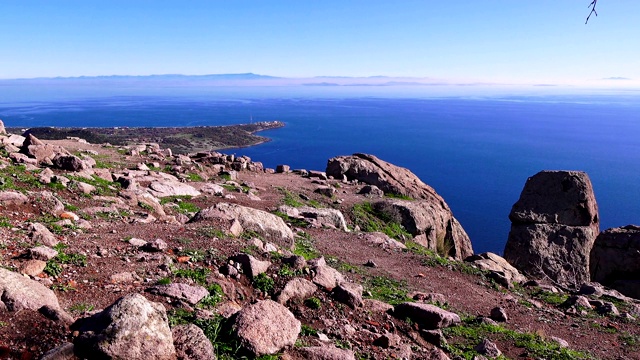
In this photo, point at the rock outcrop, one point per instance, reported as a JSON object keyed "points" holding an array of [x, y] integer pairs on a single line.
{"points": [[432, 224], [270, 226], [615, 259], [553, 227], [499, 269], [428, 214]]}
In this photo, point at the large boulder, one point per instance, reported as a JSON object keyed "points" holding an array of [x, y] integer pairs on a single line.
{"points": [[615, 259], [18, 293], [269, 226], [431, 222], [426, 315], [132, 328], [192, 344], [3, 131], [498, 268], [553, 227], [428, 214], [317, 216], [173, 188], [266, 327]]}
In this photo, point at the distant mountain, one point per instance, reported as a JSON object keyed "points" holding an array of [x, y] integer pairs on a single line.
{"points": [[243, 76]]}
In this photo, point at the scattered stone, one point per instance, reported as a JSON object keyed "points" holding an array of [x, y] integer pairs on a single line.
{"points": [[561, 342], [434, 337], [499, 314], [371, 191], [327, 191], [18, 292], [172, 188], [499, 269], [157, 245], [296, 289], [428, 316], [577, 301], [12, 198], [370, 263], [42, 253], [437, 354], [191, 343], [387, 340], [236, 229], [32, 267], [270, 226], [376, 306], [61, 352], [384, 241], [553, 227], [251, 266], [295, 262], [280, 169], [69, 163], [137, 242], [488, 348], [123, 277], [132, 328], [327, 277], [349, 294], [40, 234], [192, 294], [266, 327]]}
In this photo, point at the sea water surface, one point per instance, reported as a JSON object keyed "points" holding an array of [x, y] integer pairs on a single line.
{"points": [[477, 152]]}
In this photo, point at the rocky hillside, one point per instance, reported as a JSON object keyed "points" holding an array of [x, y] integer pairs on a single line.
{"points": [[135, 253]]}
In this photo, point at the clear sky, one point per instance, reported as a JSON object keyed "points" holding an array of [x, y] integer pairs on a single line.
{"points": [[507, 41]]}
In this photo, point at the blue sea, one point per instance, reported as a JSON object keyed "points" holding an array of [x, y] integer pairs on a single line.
{"points": [[475, 150]]}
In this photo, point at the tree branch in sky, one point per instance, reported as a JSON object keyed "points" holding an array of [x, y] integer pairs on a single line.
{"points": [[593, 9]]}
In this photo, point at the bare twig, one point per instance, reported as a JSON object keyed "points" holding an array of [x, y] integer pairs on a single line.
{"points": [[593, 9]]}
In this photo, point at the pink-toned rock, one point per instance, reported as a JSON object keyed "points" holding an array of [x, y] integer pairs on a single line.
{"points": [[32, 267], [428, 316], [266, 327], [297, 289]]}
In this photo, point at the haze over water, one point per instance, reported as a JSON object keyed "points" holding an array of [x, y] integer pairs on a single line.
{"points": [[476, 151]]}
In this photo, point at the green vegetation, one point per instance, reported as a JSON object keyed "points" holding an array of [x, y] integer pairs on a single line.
{"points": [[81, 308], [313, 303], [464, 337], [193, 177], [398, 196], [17, 177], [54, 265], [184, 206], [369, 219], [432, 259], [5, 222], [264, 283], [103, 187], [53, 268], [215, 296], [387, 290], [250, 234], [212, 232], [301, 223], [199, 275], [164, 281], [194, 254], [307, 330], [551, 298], [304, 246], [290, 199]]}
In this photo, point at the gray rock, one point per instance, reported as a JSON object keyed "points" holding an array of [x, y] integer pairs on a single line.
{"points": [[18, 292], [192, 344], [349, 294], [433, 221], [388, 340], [499, 269], [428, 316], [12, 198], [437, 354], [554, 225], [172, 188], [3, 131], [189, 293], [132, 328], [157, 245], [251, 266], [270, 226], [32, 267], [322, 216], [499, 314], [615, 259], [42, 253], [296, 289], [371, 191], [40, 234], [69, 163], [280, 169], [434, 337], [327, 277], [488, 348], [266, 327], [137, 242], [384, 241], [61, 352], [327, 191]]}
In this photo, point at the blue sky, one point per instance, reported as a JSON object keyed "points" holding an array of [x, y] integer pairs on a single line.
{"points": [[497, 41]]}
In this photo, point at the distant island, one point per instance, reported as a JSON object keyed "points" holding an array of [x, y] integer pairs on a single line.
{"points": [[180, 140]]}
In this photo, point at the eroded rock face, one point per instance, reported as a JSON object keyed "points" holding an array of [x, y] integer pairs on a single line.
{"points": [[428, 316], [192, 344], [266, 327], [132, 328], [428, 214], [270, 226], [433, 223], [553, 227], [615, 259]]}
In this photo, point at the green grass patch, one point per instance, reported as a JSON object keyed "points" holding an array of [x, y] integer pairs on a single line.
{"points": [[215, 296], [313, 303], [290, 199], [301, 223], [264, 283], [388, 290], [398, 196], [304, 246], [365, 216], [5, 222], [198, 275], [551, 298], [212, 232], [81, 308]]}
